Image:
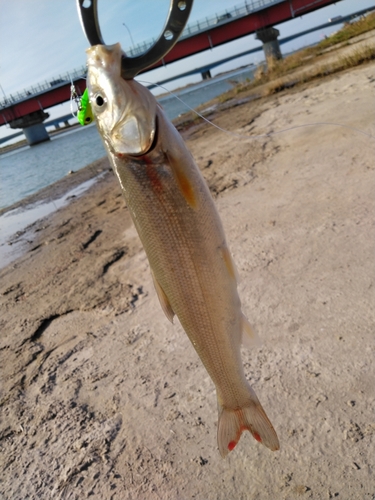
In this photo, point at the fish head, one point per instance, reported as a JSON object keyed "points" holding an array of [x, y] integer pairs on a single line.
{"points": [[125, 111]]}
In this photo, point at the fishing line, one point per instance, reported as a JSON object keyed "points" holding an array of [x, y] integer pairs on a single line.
{"points": [[73, 98], [261, 136]]}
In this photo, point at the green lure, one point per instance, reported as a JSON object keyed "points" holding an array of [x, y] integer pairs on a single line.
{"points": [[84, 114]]}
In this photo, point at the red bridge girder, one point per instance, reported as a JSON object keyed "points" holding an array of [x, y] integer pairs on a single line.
{"points": [[238, 28], [38, 102]]}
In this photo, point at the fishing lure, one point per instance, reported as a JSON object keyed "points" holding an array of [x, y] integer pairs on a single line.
{"points": [[84, 114]]}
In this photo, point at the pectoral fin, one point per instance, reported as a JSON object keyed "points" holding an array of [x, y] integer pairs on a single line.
{"points": [[163, 299], [249, 338]]}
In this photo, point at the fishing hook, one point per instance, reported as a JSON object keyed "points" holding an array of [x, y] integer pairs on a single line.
{"points": [[178, 14]]}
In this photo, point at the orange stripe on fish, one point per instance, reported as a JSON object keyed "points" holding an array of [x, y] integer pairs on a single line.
{"points": [[183, 182], [186, 189]]}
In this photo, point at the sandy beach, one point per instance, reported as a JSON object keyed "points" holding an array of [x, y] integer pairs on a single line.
{"points": [[102, 398]]}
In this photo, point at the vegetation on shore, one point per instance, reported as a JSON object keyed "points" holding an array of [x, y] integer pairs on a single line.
{"points": [[359, 56], [280, 74], [349, 30]]}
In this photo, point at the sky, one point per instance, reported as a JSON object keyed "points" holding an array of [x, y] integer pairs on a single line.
{"points": [[40, 39]]}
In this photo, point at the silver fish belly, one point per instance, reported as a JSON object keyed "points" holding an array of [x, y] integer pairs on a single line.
{"points": [[182, 235]]}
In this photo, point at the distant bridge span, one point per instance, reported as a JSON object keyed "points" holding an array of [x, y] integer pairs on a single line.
{"points": [[26, 110]]}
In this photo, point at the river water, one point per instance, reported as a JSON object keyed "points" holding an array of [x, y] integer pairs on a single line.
{"points": [[27, 170]]}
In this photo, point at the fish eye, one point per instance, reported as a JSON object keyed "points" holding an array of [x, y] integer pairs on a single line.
{"points": [[100, 100]]}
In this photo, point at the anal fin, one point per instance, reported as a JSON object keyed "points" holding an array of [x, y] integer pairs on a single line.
{"points": [[163, 299], [230, 265], [250, 338]]}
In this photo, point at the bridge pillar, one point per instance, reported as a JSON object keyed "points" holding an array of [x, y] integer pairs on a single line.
{"points": [[206, 74], [271, 45], [32, 126]]}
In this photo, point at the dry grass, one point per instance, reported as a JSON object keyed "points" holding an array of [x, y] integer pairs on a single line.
{"points": [[348, 31], [359, 56]]}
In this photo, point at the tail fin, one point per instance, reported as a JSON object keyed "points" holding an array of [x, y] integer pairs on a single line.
{"points": [[252, 418]]}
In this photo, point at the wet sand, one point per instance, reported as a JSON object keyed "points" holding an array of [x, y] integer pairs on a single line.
{"points": [[103, 398]]}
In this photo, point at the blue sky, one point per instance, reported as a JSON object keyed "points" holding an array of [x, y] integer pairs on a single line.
{"points": [[39, 39]]}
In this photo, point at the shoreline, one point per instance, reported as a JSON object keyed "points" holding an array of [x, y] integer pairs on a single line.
{"points": [[25, 216], [18, 224], [60, 187]]}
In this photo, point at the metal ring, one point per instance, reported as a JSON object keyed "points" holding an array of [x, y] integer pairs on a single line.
{"points": [[178, 15]]}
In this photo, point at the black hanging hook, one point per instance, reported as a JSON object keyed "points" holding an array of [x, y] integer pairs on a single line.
{"points": [[178, 15]]}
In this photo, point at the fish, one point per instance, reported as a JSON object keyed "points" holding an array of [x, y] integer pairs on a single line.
{"points": [[180, 229]]}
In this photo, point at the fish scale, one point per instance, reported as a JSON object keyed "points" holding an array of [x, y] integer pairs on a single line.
{"points": [[183, 237]]}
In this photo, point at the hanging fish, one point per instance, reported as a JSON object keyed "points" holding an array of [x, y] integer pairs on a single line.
{"points": [[183, 237]]}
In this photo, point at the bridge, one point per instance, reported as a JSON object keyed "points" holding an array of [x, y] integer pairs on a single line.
{"points": [[26, 109]]}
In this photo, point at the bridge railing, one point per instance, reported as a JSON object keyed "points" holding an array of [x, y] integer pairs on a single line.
{"points": [[219, 18]]}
